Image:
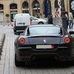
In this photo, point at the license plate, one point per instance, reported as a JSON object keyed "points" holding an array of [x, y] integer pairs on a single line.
{"points": [[43, 46], [21, 23]]}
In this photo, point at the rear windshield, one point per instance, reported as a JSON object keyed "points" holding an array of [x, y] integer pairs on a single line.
{"points": [[45, 30]]}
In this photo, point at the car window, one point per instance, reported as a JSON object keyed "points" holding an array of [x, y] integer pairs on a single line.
{"points": [[45, 31], [34, 18]]}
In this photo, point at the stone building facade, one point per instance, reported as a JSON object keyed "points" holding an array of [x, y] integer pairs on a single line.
{"points": [[41, 8]]}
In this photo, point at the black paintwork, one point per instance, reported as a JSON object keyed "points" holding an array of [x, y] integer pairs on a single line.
{"points": [[61, 50]]}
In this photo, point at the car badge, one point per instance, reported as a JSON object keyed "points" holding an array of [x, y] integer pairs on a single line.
{"points": [[44, 41]]}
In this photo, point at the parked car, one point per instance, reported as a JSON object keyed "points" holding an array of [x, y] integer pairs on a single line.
{"points": [[44, 40], [21, 21], [35, 20]]}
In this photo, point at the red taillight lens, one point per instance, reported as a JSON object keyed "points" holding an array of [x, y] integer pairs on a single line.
{"points": [[21, 40], [52, 46], [67, 40]]}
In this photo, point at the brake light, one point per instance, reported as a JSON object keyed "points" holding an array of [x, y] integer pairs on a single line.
{"points": [[67, 40], [21, 40], [52, 46]]}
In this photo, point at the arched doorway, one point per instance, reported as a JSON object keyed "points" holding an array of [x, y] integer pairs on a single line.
{"points": [[47, 7], [1, 13], [36, 8], [13, 10], [25, 7], [72, 6]]}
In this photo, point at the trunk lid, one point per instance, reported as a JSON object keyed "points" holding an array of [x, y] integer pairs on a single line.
{"points": [[44, 39]]}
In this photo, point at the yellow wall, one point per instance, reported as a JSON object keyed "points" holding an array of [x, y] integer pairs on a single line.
{"points": [[7, 3]]}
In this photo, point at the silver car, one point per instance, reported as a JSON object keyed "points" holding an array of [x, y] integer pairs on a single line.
{"points": [[35, 20]]}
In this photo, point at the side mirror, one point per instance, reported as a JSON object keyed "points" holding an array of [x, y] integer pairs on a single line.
{"points": [[71, 32]]}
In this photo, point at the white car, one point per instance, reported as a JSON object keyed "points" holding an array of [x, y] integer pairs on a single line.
{"points": [[21, 21], [35, 20]]}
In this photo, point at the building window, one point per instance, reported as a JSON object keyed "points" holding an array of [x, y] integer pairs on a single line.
{"points": [[36, 8], [13, 11], [25, 7], [1, 7], [13, 6], [25, 4], [35, 4]]}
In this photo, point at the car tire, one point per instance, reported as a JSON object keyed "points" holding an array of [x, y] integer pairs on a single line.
{"points": [[40, 23], [70, 57], [17, 63], [72, 54]]}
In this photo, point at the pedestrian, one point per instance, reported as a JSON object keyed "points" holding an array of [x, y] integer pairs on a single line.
{"points": [[70, 20], [67, 18], [64, 21], [50, 19], [57, 13]]}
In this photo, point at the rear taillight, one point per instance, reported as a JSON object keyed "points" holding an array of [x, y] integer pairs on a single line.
{"points": [[52, 46], [67, 40], [14, 23], [21, 41]]}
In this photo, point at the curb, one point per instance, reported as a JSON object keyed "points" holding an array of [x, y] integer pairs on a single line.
{"points": [[2, 43]]}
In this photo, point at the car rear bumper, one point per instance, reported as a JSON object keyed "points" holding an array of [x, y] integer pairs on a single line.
{"points": [[19, 28], [29, 51], [60, 52]]}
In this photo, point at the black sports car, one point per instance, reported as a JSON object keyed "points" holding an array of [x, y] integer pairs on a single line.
{"points": [[44, 41]]}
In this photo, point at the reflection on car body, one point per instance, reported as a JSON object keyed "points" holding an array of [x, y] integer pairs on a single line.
{"points": [[43, 40]]}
